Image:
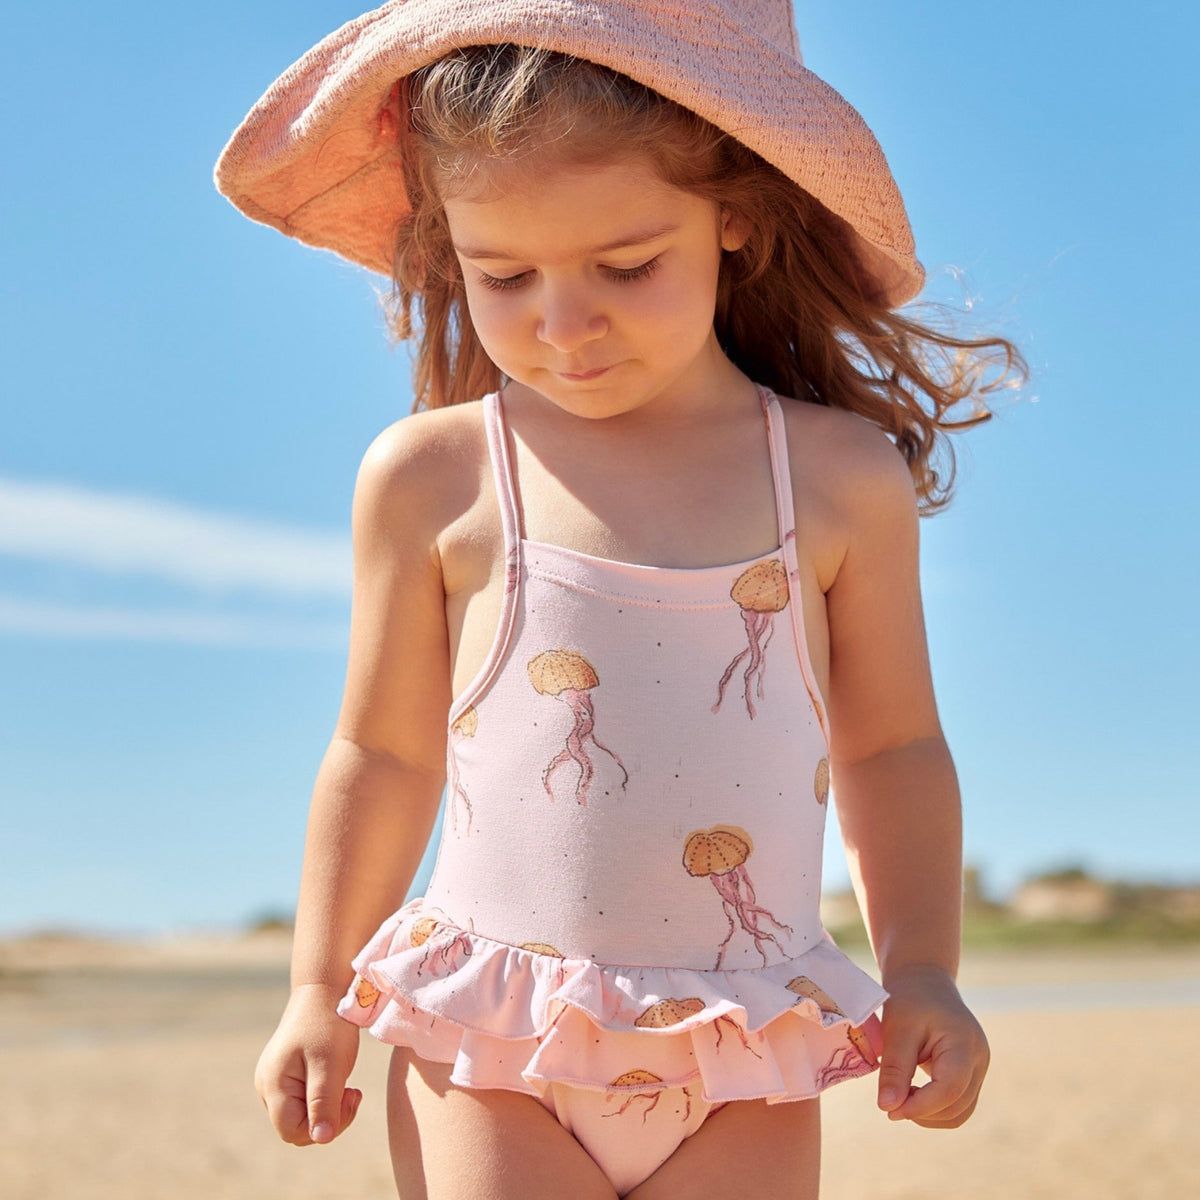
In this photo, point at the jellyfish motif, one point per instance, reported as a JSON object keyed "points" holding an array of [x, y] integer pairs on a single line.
{"points": [[512, 571], [558, 1016], [862, 1043], [721, 853], [569, 677], [446, 958], [669, 1012], [365, 992], [560, 976], [760, 591], [725, 1019], [629, 1081], [464, 727], [421, 930], [848, 1061], [821, 781], [806, 989]]}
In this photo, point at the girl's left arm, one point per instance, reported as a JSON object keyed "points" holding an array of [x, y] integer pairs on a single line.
{"points": [[897, 795]]}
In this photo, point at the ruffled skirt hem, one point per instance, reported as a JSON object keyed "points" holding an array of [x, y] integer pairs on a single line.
{"points": [[520, 1019]]}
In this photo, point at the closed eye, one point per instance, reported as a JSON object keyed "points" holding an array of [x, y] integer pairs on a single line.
{"points": [[503, 283], [508, 283], [629, 274]]}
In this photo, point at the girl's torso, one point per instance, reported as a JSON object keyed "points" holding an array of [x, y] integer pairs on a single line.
{"points": [[637, 766], [651, 503]]}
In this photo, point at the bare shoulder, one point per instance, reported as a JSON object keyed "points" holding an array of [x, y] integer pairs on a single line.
{"points": [[421, 473], [845, 468], [850, 458]]}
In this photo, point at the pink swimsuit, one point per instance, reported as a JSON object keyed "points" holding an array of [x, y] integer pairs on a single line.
{"points": [[624, 917]]}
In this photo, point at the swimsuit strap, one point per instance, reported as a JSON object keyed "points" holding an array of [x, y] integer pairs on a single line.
{"points": [[781, 476], [502, 473], [506, 496], [785, 515]]}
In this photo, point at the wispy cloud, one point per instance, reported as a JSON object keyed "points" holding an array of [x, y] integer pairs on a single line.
{"points": [[130, 534], [179, 627]]}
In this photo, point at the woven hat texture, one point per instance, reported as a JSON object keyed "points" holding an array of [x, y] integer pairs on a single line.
{"points": [[318, 156]]}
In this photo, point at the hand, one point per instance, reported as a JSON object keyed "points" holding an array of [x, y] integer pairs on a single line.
{"points": [[926, 1024], [301, 1074]]}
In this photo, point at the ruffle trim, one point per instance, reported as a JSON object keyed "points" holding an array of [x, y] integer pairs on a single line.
{"points": [[522, 1018]]}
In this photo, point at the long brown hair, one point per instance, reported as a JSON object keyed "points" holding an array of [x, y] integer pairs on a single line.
{"points": [[791, 310]]}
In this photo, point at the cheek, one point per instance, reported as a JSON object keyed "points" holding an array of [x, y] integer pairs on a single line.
{"points": [[681, 307], [495, 316]]}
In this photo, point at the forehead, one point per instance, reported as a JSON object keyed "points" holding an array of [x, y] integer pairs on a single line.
{"points": [[564, 211]]}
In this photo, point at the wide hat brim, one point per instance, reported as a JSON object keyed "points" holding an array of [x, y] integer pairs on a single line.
{"points": [[318, 156]]}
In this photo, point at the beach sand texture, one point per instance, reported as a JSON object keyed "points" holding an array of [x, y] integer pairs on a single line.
{"points": [[131, 1077]]}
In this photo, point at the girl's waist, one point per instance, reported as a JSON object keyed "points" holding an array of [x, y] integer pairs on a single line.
{"points": [[707, 905]]}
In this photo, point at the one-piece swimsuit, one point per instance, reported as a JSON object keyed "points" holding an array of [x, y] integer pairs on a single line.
{"points": [[626, 894]]}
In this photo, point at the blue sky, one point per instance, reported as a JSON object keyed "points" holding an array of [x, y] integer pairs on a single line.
{"points": [[186, 397]]}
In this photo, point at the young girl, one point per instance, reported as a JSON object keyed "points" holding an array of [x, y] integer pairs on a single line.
{"points": [[637, 586]]}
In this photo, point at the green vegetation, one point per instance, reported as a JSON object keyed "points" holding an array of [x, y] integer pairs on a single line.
{"points": [[273, 921], [1003, 930], [1123, 914]]}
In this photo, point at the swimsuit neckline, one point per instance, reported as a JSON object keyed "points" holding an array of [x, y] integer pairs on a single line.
{"points": [[600, 563]]}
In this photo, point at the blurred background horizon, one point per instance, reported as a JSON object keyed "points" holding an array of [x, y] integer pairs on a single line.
{"points": [[187, 395]]}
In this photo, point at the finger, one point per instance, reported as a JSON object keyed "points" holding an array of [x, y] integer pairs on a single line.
{"points": [[958, 1112], [281, 1089], [289, 1114], [325, 1099], [901, 1051], [952, 1085], [951, 1119], [351, 1099]]}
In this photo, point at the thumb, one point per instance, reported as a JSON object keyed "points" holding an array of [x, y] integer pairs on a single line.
{"points": [[901, 1053], [325, 1103]]}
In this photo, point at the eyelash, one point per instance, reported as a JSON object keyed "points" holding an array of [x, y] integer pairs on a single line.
{"points": [[618, 275]]}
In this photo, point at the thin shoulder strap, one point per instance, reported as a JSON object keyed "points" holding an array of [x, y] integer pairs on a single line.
{"points": [[506, 496], [502, 472], [781, 475], [785, 515]]}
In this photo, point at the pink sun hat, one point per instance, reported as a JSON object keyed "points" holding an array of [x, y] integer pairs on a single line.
{"points": [[318, 157]]}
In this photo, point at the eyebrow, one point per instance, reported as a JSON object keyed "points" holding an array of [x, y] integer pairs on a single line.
{"points": [[639, 238]]}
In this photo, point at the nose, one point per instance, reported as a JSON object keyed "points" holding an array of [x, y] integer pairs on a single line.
{"points": [[569, 319]]}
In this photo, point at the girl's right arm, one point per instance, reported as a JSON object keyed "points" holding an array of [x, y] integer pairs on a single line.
{"points": [[377, 792]]}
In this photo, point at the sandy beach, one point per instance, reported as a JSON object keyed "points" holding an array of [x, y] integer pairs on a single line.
{"points": [[126, 1071]]}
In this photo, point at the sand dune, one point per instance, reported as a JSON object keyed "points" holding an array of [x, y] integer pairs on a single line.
{"points": [[129, 1075]]}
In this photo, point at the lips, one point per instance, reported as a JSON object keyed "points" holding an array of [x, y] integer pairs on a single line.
{"points": [[582, 376]]}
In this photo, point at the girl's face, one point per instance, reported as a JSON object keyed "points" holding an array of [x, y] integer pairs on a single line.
{"points": [[596, 286]]}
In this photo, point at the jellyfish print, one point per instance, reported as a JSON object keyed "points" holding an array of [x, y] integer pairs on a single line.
{"points": [[558, 1016], [640, 1084], [512, 571], [540, 948], [671, 1011], [821, 781], [465, 726], [862, 1043], [548, 951], [443, 958], [446, 958], [723, 1020], [365, 992], [760, 591], [629, 1082], [721, 853], [848, 1061], [421, 930], [569, 677], [806, 989]]}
